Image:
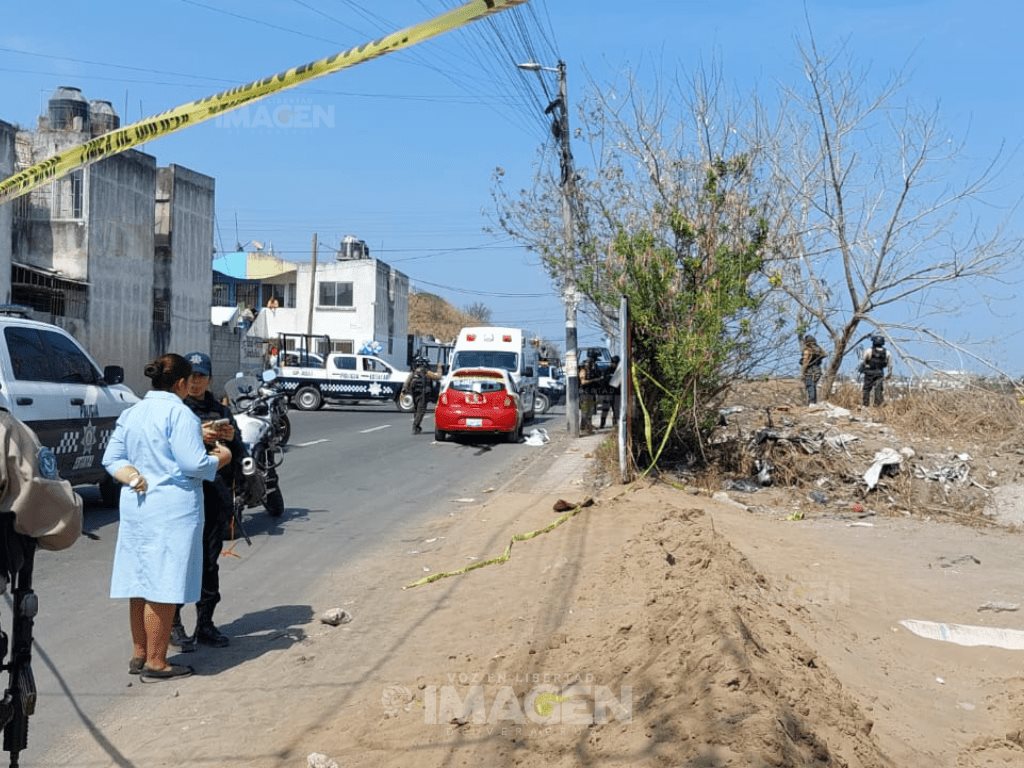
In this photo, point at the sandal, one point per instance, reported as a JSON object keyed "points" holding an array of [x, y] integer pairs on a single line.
{"points": [[170, 672], [135, 666]]}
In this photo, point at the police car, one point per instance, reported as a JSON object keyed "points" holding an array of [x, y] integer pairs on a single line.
{"points": [[48, 381], [343, 378]]}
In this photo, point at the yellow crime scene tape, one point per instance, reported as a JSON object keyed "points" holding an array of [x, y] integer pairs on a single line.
{"points": [[195, 112], [504, 556]]}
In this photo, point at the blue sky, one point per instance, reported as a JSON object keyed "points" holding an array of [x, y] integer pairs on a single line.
{"points": [[399, 151]]}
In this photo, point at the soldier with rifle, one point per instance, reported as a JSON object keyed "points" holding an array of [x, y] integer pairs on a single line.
{"points": [[37, 509]]}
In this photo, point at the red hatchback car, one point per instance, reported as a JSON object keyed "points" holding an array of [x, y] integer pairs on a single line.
{"points": [[478, 400]]}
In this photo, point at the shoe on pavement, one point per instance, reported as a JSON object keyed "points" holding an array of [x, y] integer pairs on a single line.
{"points": [[181, 639], [208, 634]]}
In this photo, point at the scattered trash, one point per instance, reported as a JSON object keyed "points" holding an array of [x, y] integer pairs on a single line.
{"points": [[335, 616], [488, 490], [965, 705], [431, 541], [966, 635], [907, 452], [830, 411], [743, 486], [464, 501], [724, 498], [949, 562], [818, 496], [857, 507], [840, 441], [940, 681], [886, 460], [764, 472], [795, 516], [317, 760], [537, 436], [998, 607], [860, 525]]}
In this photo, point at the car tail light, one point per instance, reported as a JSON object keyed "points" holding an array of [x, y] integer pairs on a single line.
{"points": [[444, 397], [508, 401]]}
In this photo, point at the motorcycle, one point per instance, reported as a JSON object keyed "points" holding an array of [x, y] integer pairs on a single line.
{"points": [[256, 407]]}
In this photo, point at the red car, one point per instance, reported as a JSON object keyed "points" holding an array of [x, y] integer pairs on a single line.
{"points": [[478, 401]]}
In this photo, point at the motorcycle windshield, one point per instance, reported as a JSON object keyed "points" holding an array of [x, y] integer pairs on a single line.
{"points": [[241, 391]]}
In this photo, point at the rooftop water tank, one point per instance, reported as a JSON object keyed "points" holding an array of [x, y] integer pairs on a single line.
{"points": [[353, 248], [68, 110], [102, 117]]}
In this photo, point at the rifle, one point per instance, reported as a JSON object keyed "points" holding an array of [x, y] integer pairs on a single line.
{"points": [[19, 699]]}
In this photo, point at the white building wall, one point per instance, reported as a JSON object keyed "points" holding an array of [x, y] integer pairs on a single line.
{"points": [[7, 133], [380, 311]]}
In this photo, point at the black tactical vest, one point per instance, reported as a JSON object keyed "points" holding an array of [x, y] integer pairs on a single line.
{"points": [[877, 360]]}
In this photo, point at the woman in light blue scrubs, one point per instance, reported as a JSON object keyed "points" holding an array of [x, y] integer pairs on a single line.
{"points": [[157, 452]]}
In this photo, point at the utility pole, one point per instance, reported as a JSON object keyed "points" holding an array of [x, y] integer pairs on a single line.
{"points": [[312, 295], [568, 183], [560, 129]]}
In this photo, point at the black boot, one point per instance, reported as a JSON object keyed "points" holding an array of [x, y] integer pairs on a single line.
{"points": [[181, 639], [208, 634]]}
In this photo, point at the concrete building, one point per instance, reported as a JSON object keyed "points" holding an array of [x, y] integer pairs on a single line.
{"points": [[84, 247], [7, 134], [182, 278], [357, 301]]}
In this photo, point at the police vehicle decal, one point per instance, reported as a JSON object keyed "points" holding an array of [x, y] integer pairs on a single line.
{"points": [[76, 446], [371, 390]]}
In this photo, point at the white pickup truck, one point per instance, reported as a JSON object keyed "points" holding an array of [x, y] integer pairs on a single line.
{"points": [[342, 378]]}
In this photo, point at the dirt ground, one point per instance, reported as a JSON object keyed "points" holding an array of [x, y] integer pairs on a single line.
{"points": [[658, 627]]}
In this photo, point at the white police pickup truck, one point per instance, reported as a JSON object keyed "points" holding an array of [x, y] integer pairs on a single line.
{"points": [[342, 378]]}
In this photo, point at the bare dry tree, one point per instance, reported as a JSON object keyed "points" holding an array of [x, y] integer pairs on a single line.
{"points": [[645, 159], [880, 224]]}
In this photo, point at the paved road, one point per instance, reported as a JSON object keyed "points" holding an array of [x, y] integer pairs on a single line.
{"points": [[353, 477]]}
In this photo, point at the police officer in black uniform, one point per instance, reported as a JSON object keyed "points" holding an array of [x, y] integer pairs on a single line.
{"points": [[418, 385], [873, 365], [217, 504]]}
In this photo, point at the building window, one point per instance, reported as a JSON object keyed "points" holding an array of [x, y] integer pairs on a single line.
{"points": [[345, 346], [76, 182], [48, 293], [335, 294]]}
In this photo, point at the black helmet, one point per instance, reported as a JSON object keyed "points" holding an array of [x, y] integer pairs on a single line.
{"points": [[808, 339], [877, 341]]}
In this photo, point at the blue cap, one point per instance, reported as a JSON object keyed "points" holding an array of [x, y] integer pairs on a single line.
{"points": [[200, 363]]}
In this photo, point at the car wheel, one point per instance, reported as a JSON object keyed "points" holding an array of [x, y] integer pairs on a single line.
{"points": [[274, 503], [541, 403], [405, 403], [110, 492], [308, 399], [440, 435]]}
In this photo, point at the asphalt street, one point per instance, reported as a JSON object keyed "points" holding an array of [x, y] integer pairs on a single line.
{"points": [[353, 477]]}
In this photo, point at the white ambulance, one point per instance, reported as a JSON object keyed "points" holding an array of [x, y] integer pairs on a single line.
{"points": [[497, 347]]}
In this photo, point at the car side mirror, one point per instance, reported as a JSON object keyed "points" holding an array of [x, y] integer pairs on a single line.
{"points": [[113, 374], [528, 371]]}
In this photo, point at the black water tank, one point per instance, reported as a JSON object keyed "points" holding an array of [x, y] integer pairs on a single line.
{"points": [[65, 105], [102, 117]]}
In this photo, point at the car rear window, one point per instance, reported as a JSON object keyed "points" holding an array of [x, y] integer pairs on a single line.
{"points": [[477, 383]]}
